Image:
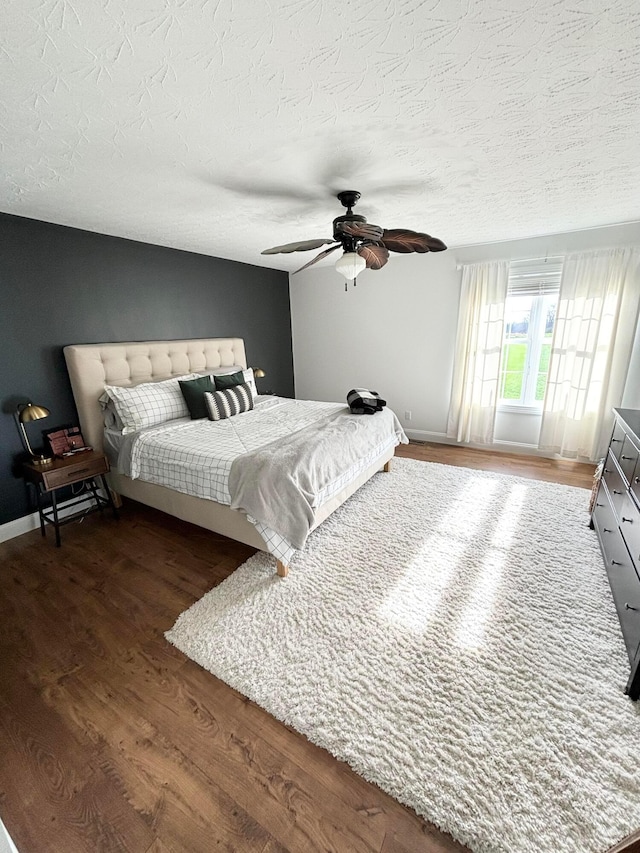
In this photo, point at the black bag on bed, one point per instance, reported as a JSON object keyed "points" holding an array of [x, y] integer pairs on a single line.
{"points": [[364, 402]]}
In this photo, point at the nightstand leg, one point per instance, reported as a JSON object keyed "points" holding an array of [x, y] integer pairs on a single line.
{"points": [[43, 532], [91, 484], [56, 522], [110, 500]]}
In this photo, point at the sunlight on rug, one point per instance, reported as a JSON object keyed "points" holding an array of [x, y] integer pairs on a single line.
{"points": [[451, 635]]}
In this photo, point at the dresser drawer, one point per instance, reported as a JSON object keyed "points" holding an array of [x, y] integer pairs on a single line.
{"points": [[616, 485], [629, 517], [616, 518], [635, 481], [623, 580], [628, 458], [606, 526], [617, 439], [625, 587]]}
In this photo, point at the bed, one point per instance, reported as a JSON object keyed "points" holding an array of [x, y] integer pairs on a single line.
{"points": [[91, 367]]}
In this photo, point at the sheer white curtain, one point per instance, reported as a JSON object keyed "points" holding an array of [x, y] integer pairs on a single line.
{"points": [[476, 372], [592, 342]]}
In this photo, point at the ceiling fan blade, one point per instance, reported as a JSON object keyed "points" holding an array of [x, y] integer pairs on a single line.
{"points": [[404, 240], [319, 257], [364, 231], [374, 255], [303, 246], [267, 189]]}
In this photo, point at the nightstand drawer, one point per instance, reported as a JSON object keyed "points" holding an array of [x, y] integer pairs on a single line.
{"points": [[79, 470]]}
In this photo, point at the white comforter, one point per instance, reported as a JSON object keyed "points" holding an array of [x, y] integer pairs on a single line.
{"points": [[195, 457]]}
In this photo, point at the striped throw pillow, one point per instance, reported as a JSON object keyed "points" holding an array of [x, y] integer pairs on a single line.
{"points": [[228, 402]]}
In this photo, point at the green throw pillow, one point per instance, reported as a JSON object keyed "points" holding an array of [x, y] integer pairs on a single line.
{"points": [[228, 380], [193, 392]]}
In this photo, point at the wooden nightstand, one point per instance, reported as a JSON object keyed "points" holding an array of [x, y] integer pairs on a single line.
{"points": [[85, 468]]}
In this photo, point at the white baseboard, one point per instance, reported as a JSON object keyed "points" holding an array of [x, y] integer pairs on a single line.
{"points": [[32, 522], [6, 844], [519, 447], [425, 435], [497, 446]]}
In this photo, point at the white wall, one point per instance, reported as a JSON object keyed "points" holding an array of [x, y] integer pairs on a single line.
{"points": [[631, 396], [395, 331], [391, 333]]}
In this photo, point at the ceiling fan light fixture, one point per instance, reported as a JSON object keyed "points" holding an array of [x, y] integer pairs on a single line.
{"points": [[350, 265]]}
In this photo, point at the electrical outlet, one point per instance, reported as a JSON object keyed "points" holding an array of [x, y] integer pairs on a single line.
{"points": [[407, 416]]}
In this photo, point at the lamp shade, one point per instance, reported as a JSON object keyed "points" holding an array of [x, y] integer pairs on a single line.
{"points": [[30, 412], [350, 265]]}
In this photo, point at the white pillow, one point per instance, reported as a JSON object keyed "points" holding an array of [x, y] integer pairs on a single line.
{"points": [[149, 404], [109, 414], [247, 373]]}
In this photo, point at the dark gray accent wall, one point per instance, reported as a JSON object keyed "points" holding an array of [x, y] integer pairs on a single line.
{"points": [[62, 286]]}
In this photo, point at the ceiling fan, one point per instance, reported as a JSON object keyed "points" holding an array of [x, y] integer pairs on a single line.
{"points": [[364, 246]]}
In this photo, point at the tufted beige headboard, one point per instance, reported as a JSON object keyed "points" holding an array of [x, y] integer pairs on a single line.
{"points": [[92, 366]]}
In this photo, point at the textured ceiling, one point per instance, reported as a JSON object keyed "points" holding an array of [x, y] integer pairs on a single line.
{"points": [[226, 127]]}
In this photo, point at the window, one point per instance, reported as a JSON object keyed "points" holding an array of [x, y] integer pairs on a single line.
{"points": [[530, 312]]}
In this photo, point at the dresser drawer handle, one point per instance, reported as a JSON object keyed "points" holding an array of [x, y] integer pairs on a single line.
{"points": [[630, 520], [628, 458], [81, 471], [606, 530], [597, 504], [616, 492], [628, 606], [616, 440], [615, 563], [636, 479], [607, 470]]}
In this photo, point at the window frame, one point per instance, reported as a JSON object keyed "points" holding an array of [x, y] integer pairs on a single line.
{"points": [[538, 279]]}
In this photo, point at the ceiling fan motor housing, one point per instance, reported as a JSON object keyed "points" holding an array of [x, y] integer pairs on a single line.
{"points": [[348, 199], [340, 236]]}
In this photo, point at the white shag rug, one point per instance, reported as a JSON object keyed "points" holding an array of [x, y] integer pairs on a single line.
{"points": [[451, 635]]}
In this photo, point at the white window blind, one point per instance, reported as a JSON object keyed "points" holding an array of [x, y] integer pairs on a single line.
{"points": [[536, 277]]}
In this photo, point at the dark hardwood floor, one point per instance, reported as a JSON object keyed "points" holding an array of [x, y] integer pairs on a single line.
{"points": [[111, 740], [534, 467]]}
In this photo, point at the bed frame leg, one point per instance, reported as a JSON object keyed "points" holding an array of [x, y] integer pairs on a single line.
{"points": [[116, 498], [282, 569], [387, 467]]}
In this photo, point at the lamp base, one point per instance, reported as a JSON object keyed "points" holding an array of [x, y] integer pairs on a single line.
{"points": [[41, 460]]}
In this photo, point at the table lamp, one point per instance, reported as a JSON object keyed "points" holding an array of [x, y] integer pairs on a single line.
{"points": [[25, 413]]}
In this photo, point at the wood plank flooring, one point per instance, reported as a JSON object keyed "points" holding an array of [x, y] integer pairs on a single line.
{"points": [[111, 740]]}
